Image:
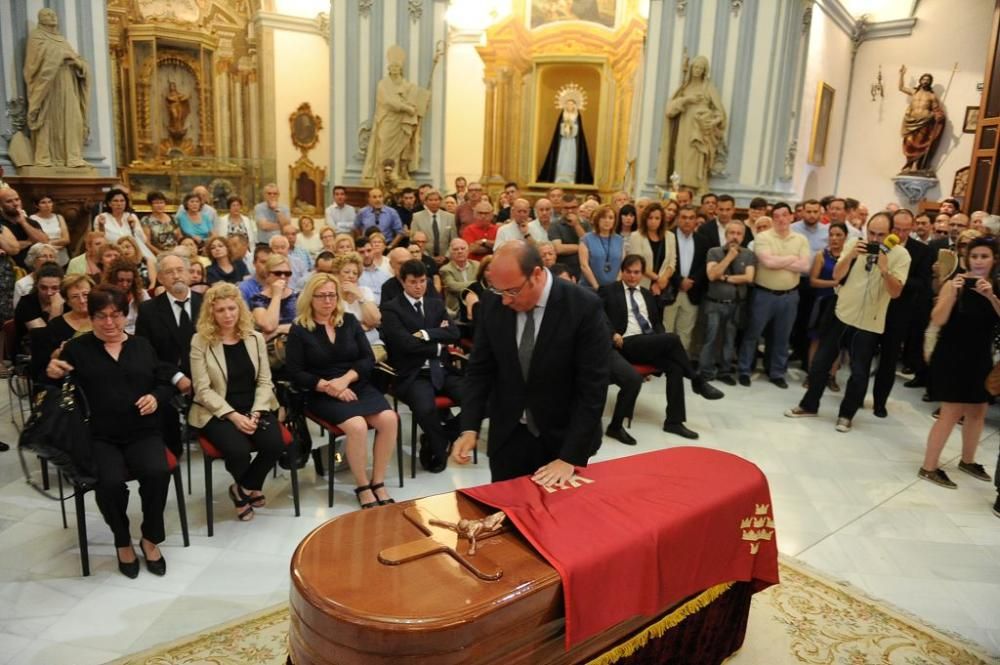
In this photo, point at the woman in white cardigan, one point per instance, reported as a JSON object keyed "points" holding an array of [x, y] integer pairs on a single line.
{"points": [[234, 400], [652, 241]]}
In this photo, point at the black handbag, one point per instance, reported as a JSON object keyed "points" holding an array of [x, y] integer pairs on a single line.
{"points": [[58, 431]]}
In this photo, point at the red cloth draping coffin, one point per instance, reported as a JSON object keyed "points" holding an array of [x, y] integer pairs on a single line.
{"points": [[648, 531]]}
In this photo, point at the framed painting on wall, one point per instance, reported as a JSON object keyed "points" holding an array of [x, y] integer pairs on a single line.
{"points": [[971, 120], [821, 124]]}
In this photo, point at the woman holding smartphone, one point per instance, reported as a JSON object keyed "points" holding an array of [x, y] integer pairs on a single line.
{"points": [[967, 310]]}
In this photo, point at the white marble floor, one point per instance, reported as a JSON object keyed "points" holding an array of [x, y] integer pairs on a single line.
{"points": [[849, 504]]}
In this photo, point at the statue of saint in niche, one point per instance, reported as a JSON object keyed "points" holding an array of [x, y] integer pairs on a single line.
{"points": [[395, 134], [923, 123], [568, 160], [694, 129], [178, 110], [58, 90]]}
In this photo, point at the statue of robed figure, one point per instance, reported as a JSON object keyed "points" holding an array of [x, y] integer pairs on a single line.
{"points": [[694, 129], [568, 160], [58, 91]]}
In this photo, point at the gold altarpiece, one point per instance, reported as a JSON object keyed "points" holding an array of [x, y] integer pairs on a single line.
{"points": [[186, 97], [524, 69]]}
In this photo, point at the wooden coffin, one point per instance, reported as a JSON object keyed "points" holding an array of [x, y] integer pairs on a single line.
{"points": [[349, 608]]}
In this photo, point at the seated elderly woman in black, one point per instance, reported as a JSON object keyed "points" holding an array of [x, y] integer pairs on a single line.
{"points": [[234, 399], [328, 354], [125, 384]]}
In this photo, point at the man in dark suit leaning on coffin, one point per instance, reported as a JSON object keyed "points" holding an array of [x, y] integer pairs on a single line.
{"points": [[168, 322], [416, 329], [638, 334], [538, 370]]}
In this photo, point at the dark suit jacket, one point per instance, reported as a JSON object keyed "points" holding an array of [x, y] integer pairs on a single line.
{"points": [[918, 279], [567, 382], [407, 353], [157, 323], [614, 296], [698, 270], [710, 235]]}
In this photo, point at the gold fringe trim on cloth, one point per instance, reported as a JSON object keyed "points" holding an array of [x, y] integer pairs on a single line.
{"points": [[657, 629]]}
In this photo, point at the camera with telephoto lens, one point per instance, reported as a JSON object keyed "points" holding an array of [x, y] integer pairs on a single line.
{"points": [[873, 248]]}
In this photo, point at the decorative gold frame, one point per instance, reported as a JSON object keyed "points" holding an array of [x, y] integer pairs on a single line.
{"points": [[821, 124], [511, 55], [304, 126]]}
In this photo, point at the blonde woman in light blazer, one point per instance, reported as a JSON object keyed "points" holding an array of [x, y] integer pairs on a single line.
{"points": [[652, 226], [234, 400]]}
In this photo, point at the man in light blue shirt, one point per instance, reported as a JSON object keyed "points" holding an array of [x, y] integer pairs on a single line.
{"points": [[376, 214], [371, 275], [809, 226], [340, 216]]}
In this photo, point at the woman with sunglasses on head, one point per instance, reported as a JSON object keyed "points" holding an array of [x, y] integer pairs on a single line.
{"points": [[967, 311], [125, 384], [234, 400], [329, 355], [117, 221], [274, 307]]}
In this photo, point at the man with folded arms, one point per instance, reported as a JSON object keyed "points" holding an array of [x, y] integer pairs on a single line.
{"points": [[782, 257], [730, 269], [874, 277], [638, 334]]}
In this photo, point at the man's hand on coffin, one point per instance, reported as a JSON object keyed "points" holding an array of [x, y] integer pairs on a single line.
{"points": [[554, 474]]}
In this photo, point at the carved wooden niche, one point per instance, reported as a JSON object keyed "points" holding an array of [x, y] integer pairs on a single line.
{"points": [[305, 179]]}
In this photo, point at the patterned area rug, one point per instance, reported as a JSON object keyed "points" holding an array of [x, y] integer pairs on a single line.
{"points": [[808, 618]]}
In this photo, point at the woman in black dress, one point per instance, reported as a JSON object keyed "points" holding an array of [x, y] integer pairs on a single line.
{"points": [[125, 385], [967, 310], [328, 354]]}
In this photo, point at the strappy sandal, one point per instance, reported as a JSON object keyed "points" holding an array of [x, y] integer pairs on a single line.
{"points": [[256, 500], [382, 502], [240, 500], [365, 488]]}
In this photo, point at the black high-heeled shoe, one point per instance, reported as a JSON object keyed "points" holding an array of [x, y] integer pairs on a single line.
{"points": [[357, 493], [382, 502], [157, 567], [130, 569]]}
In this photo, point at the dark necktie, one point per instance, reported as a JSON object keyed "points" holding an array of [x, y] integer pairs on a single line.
{"points": [[184, 324], [434, 364], [524, 351], [637, 313], [437, 234]]}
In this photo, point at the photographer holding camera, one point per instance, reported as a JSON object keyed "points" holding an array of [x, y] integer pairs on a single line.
{"points": [[875, 273], [967, 310]]}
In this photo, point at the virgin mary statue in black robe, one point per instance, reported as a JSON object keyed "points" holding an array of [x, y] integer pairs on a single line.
{"points": [[568, 160]]}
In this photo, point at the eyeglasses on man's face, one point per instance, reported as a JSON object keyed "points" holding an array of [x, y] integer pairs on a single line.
{"points": [[511, 293]]}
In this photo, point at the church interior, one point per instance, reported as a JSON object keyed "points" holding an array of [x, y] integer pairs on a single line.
{"points": [[880, 105]]}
